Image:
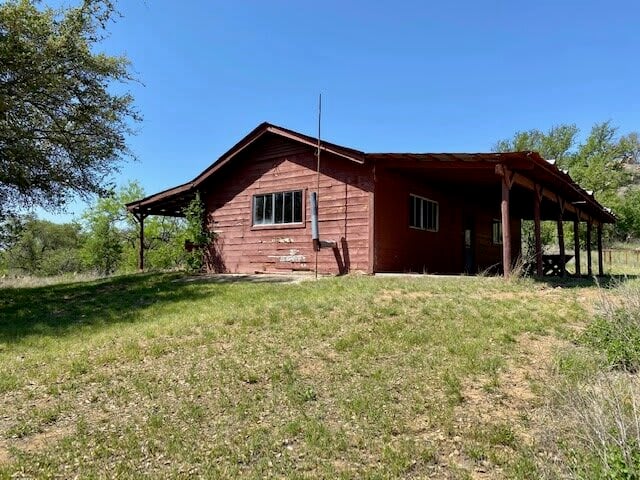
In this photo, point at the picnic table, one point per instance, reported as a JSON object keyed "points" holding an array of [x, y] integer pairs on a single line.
{"points": [[552, 265]]}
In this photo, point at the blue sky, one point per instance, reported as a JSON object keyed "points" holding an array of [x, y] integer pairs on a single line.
{"points": [[421, 76]]}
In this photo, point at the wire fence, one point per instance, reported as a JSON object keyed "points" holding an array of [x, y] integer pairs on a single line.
{"points": [[621, 260], [615, 261]]}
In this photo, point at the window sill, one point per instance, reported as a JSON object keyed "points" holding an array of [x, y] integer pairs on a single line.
{"points": [[279, 226]]}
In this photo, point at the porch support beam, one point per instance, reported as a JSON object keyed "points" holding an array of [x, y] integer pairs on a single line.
{"points": [[576, 244], [600, 265], [589, 269], [507, 182], [563, 262], [537, 197], [140, 218]]}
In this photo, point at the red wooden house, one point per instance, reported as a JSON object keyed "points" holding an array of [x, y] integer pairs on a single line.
{"points": [[377, 212]]}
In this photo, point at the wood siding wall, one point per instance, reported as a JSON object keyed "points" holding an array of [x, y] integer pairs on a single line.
{"points": [[399, 248], [274, 164]]}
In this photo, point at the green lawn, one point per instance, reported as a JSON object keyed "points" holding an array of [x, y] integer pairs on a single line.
{"points": [[352, 377]]}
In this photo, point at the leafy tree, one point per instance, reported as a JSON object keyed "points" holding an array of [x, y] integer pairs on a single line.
{"points": [[555, 144], [62, 128], [627, 226], [106, 242], [112, 235], [108, 227], [45, 248], [102, 251], [10, 229], [163, 244], [598, 163]]}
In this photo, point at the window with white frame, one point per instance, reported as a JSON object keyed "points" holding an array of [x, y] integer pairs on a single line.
{"points": [[278, 208], [423, 213], [496, 232]]}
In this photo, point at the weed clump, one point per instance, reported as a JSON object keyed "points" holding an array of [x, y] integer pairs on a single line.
{"points": [[604, 417], [597, 419], [616, 330]]}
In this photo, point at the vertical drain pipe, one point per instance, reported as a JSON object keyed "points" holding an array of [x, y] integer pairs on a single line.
{"points": [[315, 234]]}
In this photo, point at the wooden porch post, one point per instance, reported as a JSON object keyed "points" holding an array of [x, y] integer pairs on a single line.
{"points": [[537, 193], [140, 217], [589, 269], [600, 266], [506, 223], [563, 257], [576, 243]]}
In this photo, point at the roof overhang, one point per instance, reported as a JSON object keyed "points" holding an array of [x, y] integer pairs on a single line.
{"points": [[168, 203], [528, 168]]}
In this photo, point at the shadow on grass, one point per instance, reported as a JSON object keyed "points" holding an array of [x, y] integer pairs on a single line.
{"points": [[225, 278], [607, 281], [60, 309]]}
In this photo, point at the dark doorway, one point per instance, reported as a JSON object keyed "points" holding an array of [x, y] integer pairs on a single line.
{"points": [[468, 243]]}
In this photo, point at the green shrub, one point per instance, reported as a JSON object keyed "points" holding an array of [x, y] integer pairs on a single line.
{"points": [[623, 464], [62, 261], [618, 338], [196, 233]]}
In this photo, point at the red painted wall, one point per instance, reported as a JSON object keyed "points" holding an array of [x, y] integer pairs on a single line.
{"points": [[372, 232], [400, 248], [273, 164]]}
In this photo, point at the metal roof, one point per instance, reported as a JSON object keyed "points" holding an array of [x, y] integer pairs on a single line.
{"points": [[170, 202]]}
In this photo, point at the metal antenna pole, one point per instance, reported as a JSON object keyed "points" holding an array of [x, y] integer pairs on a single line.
{"points": [[318, 172]]}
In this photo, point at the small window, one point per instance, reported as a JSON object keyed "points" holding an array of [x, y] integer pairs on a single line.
{"points": [[496, 229], [423, 213], [278, 208]]}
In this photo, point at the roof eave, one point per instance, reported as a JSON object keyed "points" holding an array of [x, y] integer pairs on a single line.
{"points": [[262, 129], [608, 216], [343, 152], [163, 195]]}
